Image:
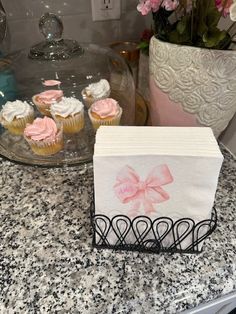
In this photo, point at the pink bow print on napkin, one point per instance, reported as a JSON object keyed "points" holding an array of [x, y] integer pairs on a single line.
{"points": [[130, 188]]}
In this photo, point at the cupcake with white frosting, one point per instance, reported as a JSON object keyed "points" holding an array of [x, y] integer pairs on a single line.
{"points": [[69, 112], [44, 136], [105, 112], [96, 91], [44, 100], [15, 115]]}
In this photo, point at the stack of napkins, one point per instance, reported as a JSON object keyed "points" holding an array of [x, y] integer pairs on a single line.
{"points": [[155, 172]]}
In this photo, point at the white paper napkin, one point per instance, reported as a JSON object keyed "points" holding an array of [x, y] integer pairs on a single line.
{"points": [[155, 172]]}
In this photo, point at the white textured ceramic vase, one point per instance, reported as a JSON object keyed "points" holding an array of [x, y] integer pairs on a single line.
{"points": [[191, 86]]}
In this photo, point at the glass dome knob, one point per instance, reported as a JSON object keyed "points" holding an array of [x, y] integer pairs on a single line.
{"points": [[54, 47], [51, 26]]}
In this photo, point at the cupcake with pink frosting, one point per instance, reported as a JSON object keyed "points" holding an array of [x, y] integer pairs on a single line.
{"points": [[105, 112], [44, 100], [44, 136]]}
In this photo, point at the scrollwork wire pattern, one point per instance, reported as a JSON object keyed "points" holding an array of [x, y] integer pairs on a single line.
{"points": [[144, 235]]}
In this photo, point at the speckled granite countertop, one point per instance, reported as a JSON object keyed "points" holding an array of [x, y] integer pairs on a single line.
{"points": [[47, 264]]}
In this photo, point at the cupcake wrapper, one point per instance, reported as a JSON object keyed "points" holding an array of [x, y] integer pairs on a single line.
{"points": [[43, 108], [72, 124], [89, 100], [17, 126], [111, 121], [47, 147]]}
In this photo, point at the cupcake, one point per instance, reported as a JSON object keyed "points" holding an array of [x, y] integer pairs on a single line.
{"points": [[105, 112], [96, 91], [44, 100], [44, 136], [69, 112], [15, 115]]}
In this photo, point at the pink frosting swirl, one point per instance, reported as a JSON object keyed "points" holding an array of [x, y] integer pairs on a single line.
{"points": [[41, 129], [106, 108], [51, 83], [50, 96]]}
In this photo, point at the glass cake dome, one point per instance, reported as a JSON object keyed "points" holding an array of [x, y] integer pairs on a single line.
{"points": [[75, 66]]}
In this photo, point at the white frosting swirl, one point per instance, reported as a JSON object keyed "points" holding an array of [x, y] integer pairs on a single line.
{"points": [[98, 90], [15, 109], [66, 107]]}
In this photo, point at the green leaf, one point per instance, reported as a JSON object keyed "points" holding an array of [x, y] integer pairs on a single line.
{"points": [[213, 37], [202, 28], [212, 17], [143, 45], [176, 38], [183, 24]]}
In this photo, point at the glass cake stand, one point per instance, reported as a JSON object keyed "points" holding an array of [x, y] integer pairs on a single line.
{"points": [[76, 66]]}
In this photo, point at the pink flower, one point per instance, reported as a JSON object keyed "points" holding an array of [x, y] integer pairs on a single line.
{"points": [[170, 5], [224, 8], [145, 6], [155, 4]]}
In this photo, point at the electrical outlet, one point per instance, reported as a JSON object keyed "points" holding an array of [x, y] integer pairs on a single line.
{"points": [[106, 10], [106, 4]]}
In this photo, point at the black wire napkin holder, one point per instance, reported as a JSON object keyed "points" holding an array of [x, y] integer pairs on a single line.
{"points": [[152, 237]]}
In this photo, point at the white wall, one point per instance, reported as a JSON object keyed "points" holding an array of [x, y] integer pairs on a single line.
{"points": [[23, 17]]}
